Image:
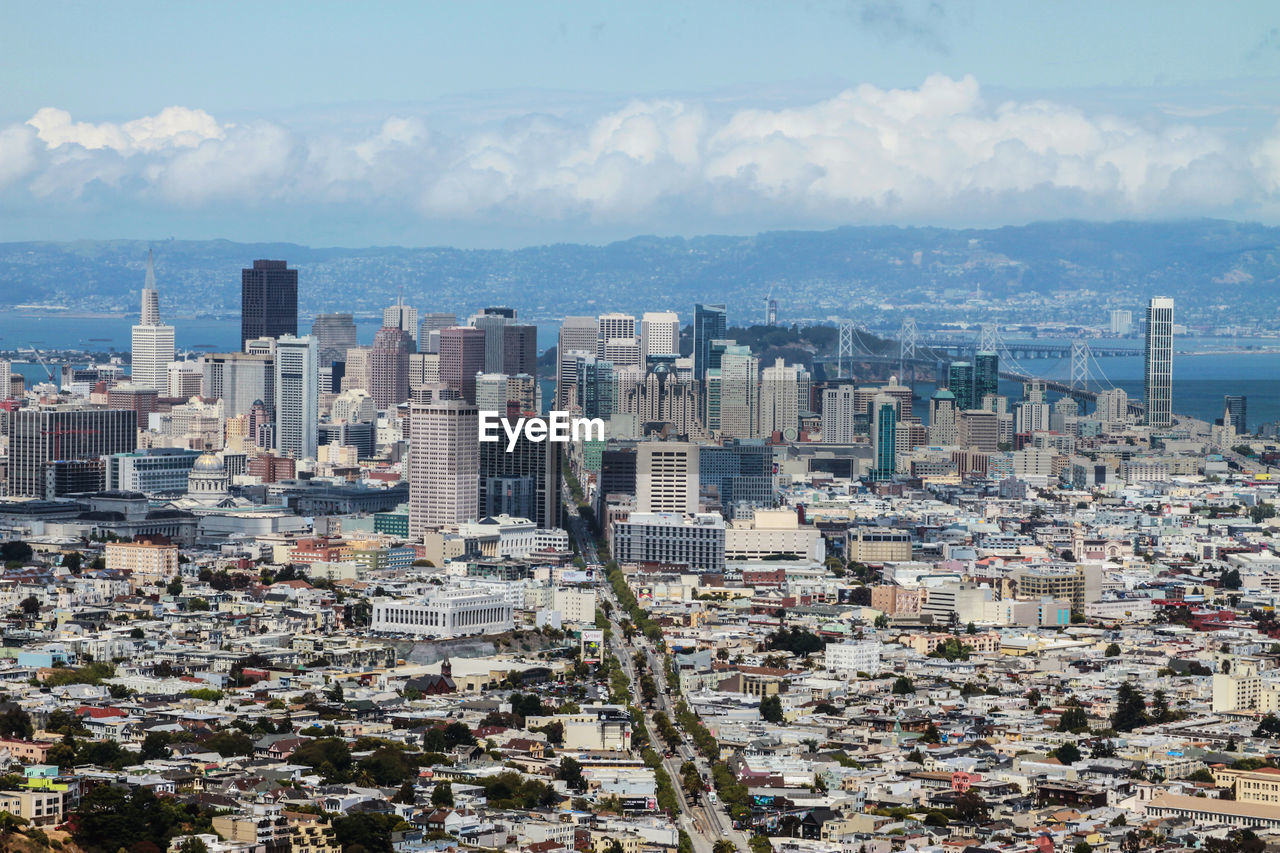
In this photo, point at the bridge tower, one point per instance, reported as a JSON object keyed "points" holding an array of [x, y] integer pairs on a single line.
{"points": [[846, 349], [988, 338], [1079, 365], [907, 338]]}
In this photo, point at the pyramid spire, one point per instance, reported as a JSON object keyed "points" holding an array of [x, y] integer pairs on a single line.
{"points": [[150, 299]]}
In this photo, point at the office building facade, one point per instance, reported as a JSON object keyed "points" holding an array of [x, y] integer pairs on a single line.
{"points": [[1158, 362], [268, 301]]}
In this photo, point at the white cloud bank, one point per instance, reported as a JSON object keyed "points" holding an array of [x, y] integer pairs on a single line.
{"points": [[938, 152]]}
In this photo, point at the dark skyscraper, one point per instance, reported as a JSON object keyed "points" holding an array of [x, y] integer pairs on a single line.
{"points": [[986, 376], [960, 383], [268, 301], [709, 323], [523, 482], [1237, 406], [520, 349]]}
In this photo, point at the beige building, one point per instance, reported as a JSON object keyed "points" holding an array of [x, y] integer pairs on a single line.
{"points": [[143, 560], [667, 477], [877, 545], [772, 531], [895, 600], [41, 808]]}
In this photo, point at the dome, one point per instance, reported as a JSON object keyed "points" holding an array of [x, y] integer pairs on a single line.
{"points": [[209, 463], [943, 394]]}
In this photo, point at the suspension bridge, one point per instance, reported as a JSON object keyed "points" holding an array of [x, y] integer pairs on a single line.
{"points": [[1084, 381]]}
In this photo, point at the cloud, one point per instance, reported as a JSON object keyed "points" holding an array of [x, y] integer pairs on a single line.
{"points": [[937, 152], [894, 20]]}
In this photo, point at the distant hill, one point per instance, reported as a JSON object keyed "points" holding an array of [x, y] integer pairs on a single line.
{"points": [[1042, 271]]}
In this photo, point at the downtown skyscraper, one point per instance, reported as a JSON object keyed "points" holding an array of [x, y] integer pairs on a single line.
{"points": [[268, 301], [1157, 384], [444, 460], [710, 323], [152, 341], [297, 397]]}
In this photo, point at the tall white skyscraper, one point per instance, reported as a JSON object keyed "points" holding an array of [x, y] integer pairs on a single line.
{"points": [[614, 327], [403, 317], [1121, 321], [297, 396], [839, 414], [152, 340], [444, 462], [1158, 377], [659, 333], [779, 398], [739, 376]]}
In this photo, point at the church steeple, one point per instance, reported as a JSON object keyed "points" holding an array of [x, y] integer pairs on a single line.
{"points": [[150, 298]]}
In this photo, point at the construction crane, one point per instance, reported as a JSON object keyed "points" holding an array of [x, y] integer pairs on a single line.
{"points": [[40, 358]]}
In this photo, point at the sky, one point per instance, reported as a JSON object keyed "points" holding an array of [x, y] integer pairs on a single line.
{"points": [[500, 124]]}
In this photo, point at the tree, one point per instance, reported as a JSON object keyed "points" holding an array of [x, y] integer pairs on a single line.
{"points": [[970, 807], [155, 745], [193, 844], [16, 551], [724, 845], [1068, 753], [442, 795], [570, 773], [931, 734], [771, 709], [16, 723], [881, 621], [1160, 707], [31, 605], [1082, 847], [367, 831], [903, 686], [1073, 719], [1268, 726], [1231, 579], [1131, 709], [407, 794], [1113, 651], [175, 587]]}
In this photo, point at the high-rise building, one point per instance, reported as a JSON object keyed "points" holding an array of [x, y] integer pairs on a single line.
{"points": [[1157, 382], [297, 397], [667, 477], [595, 387], [152, 344], [524, 482], [1237, 408], [462, 356], [334, 334], [960, 383], [578, 337], [268, 301], [519, 349], [239, 380], [659, 333], [444, 461], [184, 379], [612, 327], [1121, 321], [740, 472], [1112, 406], [840, 414], [986, 377], [779, 398], [429, 330], [493, 326], [884, 437], [710, 323], [402, 317], [389, 367], [358, 370], [38, 437], [943, 424], [738, 378]]}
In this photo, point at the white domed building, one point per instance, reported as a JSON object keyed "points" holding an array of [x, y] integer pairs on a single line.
{"points": [[208, 483]]}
